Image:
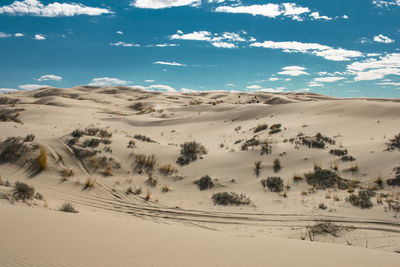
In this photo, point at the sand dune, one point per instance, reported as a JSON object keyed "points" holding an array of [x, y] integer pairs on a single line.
{"points": [[98, 143]]}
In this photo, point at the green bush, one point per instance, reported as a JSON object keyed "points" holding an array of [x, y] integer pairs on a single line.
{"points": [[322, 178], [274, 184], [204, 183], [190, 151], [22, 191], [230, 198], [67, 207]]}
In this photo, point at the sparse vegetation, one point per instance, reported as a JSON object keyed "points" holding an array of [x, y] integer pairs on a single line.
{"points": [[260, 127], [325, 228], [277, 165], [42, 160], [151, 181], [143, 138], [396, 180], [13, 149], [250, 143], [322, 206], [297, 178], [131, 144], [274, 184], [353, 169], [167, 169], [317, 141], [144, 163], [204, 183], [322, 178], [190, 151], [165, 189], [67, 207], [275, 128], [339, 152], [348, 158], [230, 198], [89, 184], [393, 143], [363, 200], [257, 168], [29, 138], [22, 191]]}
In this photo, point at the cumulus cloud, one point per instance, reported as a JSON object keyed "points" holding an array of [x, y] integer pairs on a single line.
{"points": [[373, 69], [32, 86], [123, 44], [106, 81], [327, 52], [159, 4], [4, 35], [36, 8], [187, 90], [315, 84], [162, 45], [302, 90], [331, 79], [169, 63], [224, 40], [120, 33], [7, 90], [273, 79], [18, 34], [293, 71], [389, 83], [272, 10], [383, 39], [380, 3], [149, 81], [50, 77], [161, 87], [40, 37], [254, 87]]}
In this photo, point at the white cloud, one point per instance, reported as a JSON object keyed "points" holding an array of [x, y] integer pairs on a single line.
{"points": [[383, 39], [373, 69], [315, 15], [32, 86], [40, 37], [324, 51], [328, 79], [315, 84], [272, 90], [158, 4], [36, 8], [380, 3], [273, 79], [7, 90], [149, 81], [389, 83], [162, 87], [255, 86], [18, 34], [169, 63], [50, 77], [163, 45], [230, 84], [123, 44], [195, 36], [293, 71], [345, 17], [120, 33], [373, 55], [4, 35], [302, 90], [223, 45], [186, 90], [106, 81]]}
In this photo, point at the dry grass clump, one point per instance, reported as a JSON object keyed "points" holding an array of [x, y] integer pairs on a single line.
{"points": [[230, 198], [145, 163], [353, 169], [325, 228], [131, 144], [108, 171], [151, 181], [348, 158], [165, 189], [66, 173], [42, 160], [22, 191], [67, 207], [297, 178], [274, 184], [190, 151], [275, 128], [260, 127], [317, 141], [322, 178], [250, 143], [277, 165], [10, 115], [204, 183], [167, 169], [363, 200], [266, 145], [89, 184], [148, 196], [13, 149], [393, 143], [339, 152], [29, 138], [257, 168], [396, 180]]}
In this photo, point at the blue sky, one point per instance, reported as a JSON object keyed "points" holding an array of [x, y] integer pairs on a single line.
{"points": [[339, 48]]}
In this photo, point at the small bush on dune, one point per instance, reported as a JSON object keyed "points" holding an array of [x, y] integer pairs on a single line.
{"points": [[42, 159], [89, 184], [151, 181], [29, 138], [230, 198], [274, 184], [143, 138], [393, 143], [363, 200], [348, 158], [257, 168], [260, 127], [250, 143], [22, 191], [204, 183], [13, 149], [67, 207], [167, 169], [277, 165], [190, 151], [396, 180], [322, 178], [339, 152], [145, 163]]}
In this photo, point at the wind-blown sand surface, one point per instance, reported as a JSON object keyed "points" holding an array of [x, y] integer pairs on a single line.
{"points": [[173, 223]]}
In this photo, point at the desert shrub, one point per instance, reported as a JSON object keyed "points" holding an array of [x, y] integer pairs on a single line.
{"points": [[276, 126], [230, 198], [67, 207], [143, 138], [10, 115], [82, 153], [38, 196], [165, 189], [89, 184], [250, 143], [78, 133], [322, 178], [92, 131], [104, 134], [42, 160], [257, 168], [144, 163], [277, 165], [274, 184], [317, 141], [353, 169], [151, 181], [348, 158], [322, 206], [260, 127], [396, 180], [339, 152], [93, 142], [167, 169], [204, 183], [297, 178], [275, 131], [325, 228], [393, 143], [13, 149], [266, 147], [108, 171], [22, 191], [66, 173], [131, 144], [190, 151], [363, 200], [29, 138]]}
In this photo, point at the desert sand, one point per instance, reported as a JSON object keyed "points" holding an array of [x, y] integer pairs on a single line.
{"points": [[93, 147]]}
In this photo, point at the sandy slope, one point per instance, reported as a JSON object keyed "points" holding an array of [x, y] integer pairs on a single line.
{"points": [[217, 120]]}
